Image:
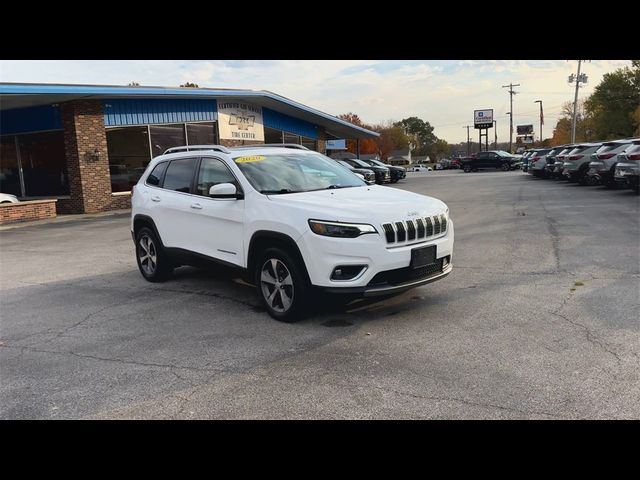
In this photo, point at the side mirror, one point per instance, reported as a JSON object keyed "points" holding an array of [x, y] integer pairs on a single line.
{"points": [[225, 190]]}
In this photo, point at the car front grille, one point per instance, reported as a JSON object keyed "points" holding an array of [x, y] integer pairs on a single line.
{"points": [[410, 230], [403, 275]]}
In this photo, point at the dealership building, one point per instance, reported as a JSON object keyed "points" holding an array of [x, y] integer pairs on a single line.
{"points": [[80, 148]]}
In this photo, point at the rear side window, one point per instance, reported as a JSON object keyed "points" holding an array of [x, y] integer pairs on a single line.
{"points": [[155, 177], [179, 175]]}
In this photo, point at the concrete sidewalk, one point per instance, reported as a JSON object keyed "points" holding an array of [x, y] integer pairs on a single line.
{"points": [[65, 218]]}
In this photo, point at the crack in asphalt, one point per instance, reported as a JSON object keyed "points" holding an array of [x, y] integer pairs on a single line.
{"points": [[468, 402], [589, 335], [117, 360], [591, 338]]}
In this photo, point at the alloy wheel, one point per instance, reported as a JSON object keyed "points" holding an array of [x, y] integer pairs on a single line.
{"points": [[147, 255], [277, 285]]}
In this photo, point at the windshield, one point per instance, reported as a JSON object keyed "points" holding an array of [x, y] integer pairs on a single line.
{"points": [[273, 174], [502, 153], [377, 163]]}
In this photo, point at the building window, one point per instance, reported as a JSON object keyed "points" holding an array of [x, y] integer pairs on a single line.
{"points": [[166, 136], [44, 165], [310, 143], [291, 138], [271, 135], [9, 170], [128, 156], [202, 133]]}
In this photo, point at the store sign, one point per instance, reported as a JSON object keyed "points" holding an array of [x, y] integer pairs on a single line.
{"points": [[336, 144], [525, 129], [240, 121], [483, 118]]}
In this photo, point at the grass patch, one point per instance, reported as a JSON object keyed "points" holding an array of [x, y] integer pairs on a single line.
{"points": [[579, 284]]}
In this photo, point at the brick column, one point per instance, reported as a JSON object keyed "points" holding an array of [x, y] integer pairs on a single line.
{"points": [[322, 138], [89, 180]]}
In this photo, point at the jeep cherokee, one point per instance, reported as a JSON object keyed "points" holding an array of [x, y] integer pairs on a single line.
{"points": [[291, 219]]}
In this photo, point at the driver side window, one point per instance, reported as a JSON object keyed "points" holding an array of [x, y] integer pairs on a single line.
{"points": [[212, 172]]}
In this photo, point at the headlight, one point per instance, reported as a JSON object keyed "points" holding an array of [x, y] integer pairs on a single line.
{"points": [[343, 230]]}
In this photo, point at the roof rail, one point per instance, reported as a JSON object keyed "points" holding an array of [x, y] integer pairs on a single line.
{"points": [[186, 148], [274, 145]]}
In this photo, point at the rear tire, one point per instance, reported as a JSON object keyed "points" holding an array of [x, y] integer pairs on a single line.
{"points": [[467, 168], [152, 260], [282, 285]]}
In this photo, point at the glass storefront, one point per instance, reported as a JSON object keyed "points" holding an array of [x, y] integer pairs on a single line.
{"points": [[9, 170], [202, 133], [271, 135], [129, 155], [130, 151], [166, 136], [44, 166]]}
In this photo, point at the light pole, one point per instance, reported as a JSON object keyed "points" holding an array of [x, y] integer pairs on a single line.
{"points": [[495, 133], [468, 140], [512, 92], [578, 78], [541, 119]]}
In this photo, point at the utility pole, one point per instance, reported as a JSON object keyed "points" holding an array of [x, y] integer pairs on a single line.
{"points": [[495, 133], [468, 140], [511, 94], [541, 119], [578, 79]]}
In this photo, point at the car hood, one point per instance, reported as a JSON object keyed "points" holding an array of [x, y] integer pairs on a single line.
{"points": [[369, 204]]}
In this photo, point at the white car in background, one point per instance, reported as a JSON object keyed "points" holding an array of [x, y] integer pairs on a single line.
{"points": [[421, 169], [8, 198]]}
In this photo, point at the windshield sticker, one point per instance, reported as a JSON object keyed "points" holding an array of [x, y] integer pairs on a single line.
{"points": [[254, 158]]}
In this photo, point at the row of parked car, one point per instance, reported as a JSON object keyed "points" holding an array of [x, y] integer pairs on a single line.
{"points": [[374, 171], [614, 163]]}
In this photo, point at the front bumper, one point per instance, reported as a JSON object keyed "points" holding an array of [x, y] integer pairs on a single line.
{"points": [[323, 254], [379, 290]]}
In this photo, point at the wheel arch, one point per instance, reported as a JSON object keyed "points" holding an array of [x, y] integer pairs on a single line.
{"points": [[140, 221], [263, 239]]}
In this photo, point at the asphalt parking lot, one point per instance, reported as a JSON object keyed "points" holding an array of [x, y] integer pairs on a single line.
{"points": [[539, 319]]}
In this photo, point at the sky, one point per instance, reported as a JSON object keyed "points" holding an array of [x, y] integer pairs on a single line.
{"points": [[442, 92]]}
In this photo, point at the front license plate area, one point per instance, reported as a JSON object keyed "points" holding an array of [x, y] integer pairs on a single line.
{"points": [[423, 256]]}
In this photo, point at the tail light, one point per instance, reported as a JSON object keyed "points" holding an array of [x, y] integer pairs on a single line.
{"points": [[635, 156], [560, 157], [604, 156], [575, 157]]}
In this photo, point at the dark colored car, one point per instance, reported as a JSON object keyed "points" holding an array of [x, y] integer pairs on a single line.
{"points": [[368, 174], [383, 174], [497, 159], [397, 173]]}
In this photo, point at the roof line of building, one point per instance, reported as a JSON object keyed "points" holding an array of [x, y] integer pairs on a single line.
{"points": [[8, 88]]}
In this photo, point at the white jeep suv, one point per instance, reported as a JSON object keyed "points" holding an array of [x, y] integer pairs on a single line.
{"points": [[292, 219]]}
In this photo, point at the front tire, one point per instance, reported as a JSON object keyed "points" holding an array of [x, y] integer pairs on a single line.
{"points": [[282, 285], [152, 260], [506, 167], [467, 168]]}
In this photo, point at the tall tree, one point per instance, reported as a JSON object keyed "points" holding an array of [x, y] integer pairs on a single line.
{"points": [[420, 134], [189, 85], [612, 104]]}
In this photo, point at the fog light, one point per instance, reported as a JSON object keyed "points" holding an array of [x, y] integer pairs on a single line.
{"points": [[347, 272], [445, 262]]}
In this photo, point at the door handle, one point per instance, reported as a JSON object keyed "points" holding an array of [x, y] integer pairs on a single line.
{"points": [[196, 206], [155, 198]]}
